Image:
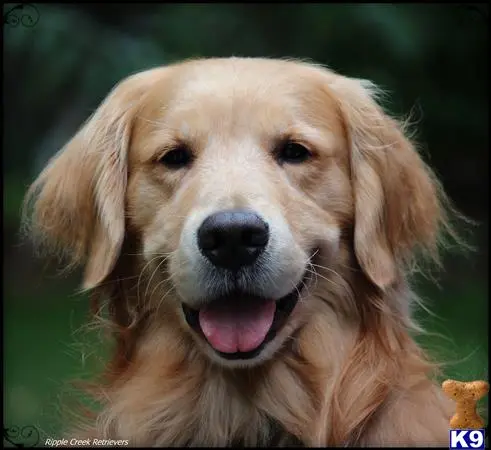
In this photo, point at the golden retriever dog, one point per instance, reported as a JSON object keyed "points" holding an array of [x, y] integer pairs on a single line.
{"points": [[250, 225]]}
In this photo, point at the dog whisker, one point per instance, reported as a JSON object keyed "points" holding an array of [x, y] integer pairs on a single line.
{"points": [[160, 283], [153, 274], [141, 275]]}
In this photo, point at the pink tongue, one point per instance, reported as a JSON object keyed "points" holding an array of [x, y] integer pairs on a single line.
{"points": [[239, 327]]}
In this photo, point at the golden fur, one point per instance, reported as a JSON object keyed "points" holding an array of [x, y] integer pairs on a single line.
{"points": [[346, 370]]}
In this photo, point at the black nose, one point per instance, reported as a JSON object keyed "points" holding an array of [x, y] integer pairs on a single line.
{"points": [[233, 239]]}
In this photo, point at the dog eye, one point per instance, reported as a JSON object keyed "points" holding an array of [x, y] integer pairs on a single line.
{"points": [[177, 158], [293, 153]]}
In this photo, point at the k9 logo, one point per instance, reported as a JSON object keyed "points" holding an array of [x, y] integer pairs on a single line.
{"points": [[467, 439]]}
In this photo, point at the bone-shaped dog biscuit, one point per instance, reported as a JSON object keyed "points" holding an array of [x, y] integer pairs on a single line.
{"points": [[466, 395]]}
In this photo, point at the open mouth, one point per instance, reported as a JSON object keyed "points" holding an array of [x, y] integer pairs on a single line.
{"points": [[239, 326]]}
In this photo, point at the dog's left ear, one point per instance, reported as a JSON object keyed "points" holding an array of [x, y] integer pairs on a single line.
{"points": [[79, 198], [396, 196]]}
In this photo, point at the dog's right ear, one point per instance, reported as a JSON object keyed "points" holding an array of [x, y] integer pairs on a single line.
{"points": [[78, 201], [400, 207]]}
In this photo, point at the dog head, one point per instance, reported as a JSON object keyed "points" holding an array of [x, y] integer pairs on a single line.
{"points": [[246, 185]]}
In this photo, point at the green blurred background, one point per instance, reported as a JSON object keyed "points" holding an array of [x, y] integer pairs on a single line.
{"points": [[58, 68]]}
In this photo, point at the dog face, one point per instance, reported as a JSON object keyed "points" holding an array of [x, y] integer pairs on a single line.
{"points": [[230, 183], [238, 178]]}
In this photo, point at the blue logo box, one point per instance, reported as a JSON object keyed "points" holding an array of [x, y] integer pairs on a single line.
{"points": [[469, 439]]}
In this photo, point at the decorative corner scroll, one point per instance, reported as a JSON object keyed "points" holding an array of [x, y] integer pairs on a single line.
{"points": [[26, 15], [24, 437]]}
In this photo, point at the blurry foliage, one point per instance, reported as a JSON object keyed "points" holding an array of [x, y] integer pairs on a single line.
{"points": [[432, 58]]}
